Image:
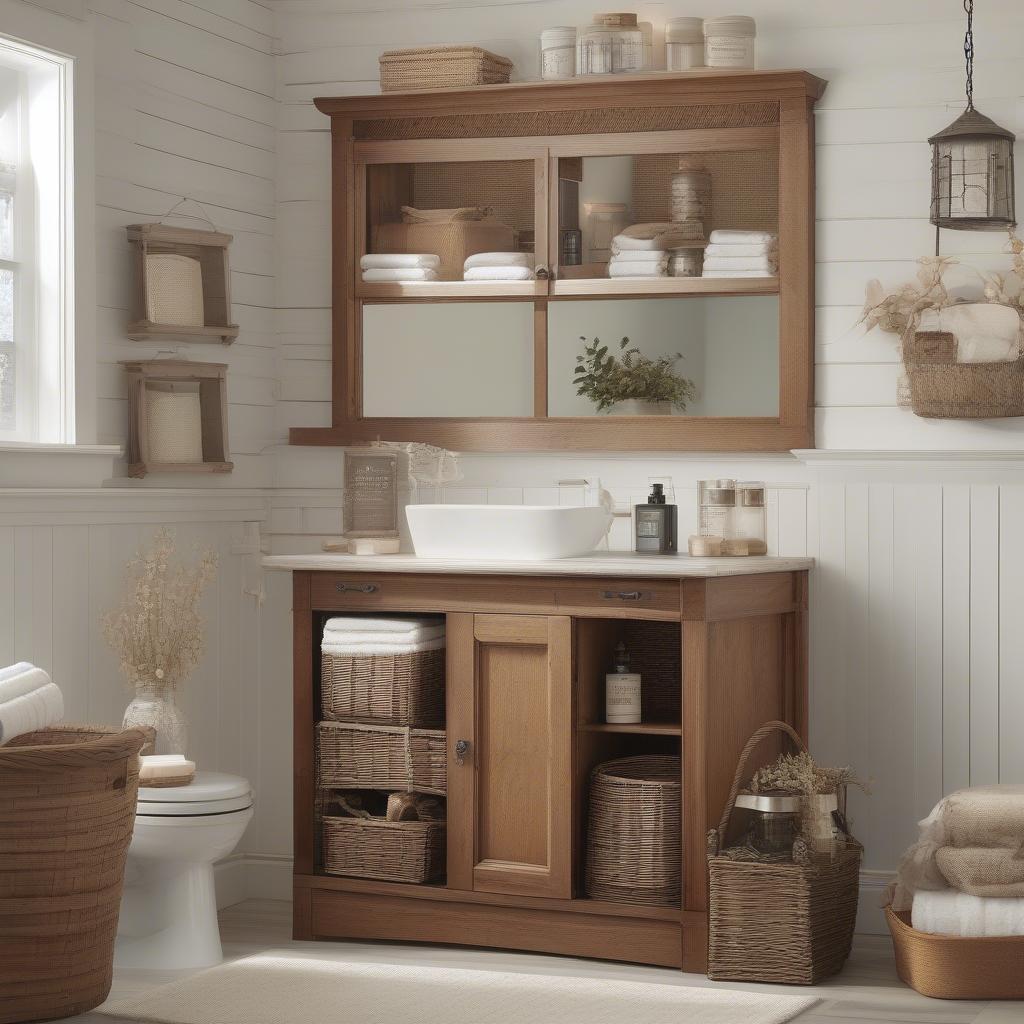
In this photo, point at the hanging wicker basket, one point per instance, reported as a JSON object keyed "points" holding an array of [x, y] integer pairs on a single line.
{"points": [[783, 922]]}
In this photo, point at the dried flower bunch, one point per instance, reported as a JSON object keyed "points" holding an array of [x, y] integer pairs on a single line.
{"points": [[157, 632], [799, 774], [898, 311]]}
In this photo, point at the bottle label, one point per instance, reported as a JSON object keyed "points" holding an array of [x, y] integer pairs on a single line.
{"points": [[648, 524]]}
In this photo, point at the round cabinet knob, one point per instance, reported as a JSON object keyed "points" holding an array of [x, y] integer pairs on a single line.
{"points": [[543, 274], [461, 750]]}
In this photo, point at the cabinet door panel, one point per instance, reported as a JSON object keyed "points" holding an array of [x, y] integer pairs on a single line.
{"points": [[515, 781]]}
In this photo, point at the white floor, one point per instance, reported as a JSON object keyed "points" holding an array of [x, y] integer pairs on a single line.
{"points": [[867, 990]]}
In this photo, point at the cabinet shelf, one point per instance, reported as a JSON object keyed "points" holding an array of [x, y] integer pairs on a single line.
{"points": [[431, 290], [638, 729], [640, 287]]}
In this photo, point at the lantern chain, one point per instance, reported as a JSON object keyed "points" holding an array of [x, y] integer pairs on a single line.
{"points": [[969, 52]]}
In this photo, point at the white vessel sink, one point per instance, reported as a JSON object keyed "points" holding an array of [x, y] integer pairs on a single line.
{"points": [[507, 532]]}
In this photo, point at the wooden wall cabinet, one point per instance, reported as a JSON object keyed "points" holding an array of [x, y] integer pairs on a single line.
{"points": [[526, 658], [512, 149]]}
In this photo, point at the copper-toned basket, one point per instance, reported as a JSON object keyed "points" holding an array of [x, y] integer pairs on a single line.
{"points": [[778, 922], [955, 967], [391, 689], [67, 810], [634, 831]]}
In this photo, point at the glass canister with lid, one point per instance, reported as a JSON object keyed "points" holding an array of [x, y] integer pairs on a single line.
{"points": [[684, 43], [716, 512], [750, 522], [558, 53], [628, 51], [594, 50]]}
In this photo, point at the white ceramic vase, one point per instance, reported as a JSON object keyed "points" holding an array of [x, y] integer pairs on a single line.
{"points": [[640, 407]]}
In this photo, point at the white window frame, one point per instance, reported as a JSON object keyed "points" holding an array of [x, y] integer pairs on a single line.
{"points": [[43, 260]]}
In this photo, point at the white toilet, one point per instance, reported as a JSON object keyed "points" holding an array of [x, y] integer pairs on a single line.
{"points": [[169, 907]]}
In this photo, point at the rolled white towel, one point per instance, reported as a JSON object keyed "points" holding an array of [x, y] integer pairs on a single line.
{"points": [[743, 237], [347, 650], [400, 274], [736, 273], [768, 264], [20, 679], [638, 268], [638, 256], [983, 349], [950, 912], [498, 259], [398, 260], [354, 637], [498, 274], [737, 249], [37, 709], [379, 625]]}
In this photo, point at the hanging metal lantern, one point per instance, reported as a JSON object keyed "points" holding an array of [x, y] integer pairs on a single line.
{"points": [[972, 164]]}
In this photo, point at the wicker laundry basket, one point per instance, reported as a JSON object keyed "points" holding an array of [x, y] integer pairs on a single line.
{"points": [[634, 831], [67, 809], [439, 67], [955, 967], [783, 922], [359, 756], [393, 689]]}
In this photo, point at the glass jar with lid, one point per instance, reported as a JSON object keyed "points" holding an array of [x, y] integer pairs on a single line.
{"points": [[594, 50], [750, 524], [558, 53], [716, 509], [684, 43], [729, 41], [627, 41]]}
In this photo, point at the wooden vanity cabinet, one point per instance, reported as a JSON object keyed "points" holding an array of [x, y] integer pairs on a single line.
{"points": [[526, 658]]}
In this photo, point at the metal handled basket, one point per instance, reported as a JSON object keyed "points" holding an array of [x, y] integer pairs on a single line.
{"points": [[779, 922]]}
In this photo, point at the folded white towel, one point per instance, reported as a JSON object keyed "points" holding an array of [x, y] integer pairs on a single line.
{"points": [[638, 255], [398, 260], [390, 624], [950, 912], [983, 349], [637, 268], [400, 274], [628, 244], [498, 259], [498, 274], [38, 709], [356, 637], [20, 679], [765, 263], [737, 249], [743, 237], [736, 273], [380, 648]]}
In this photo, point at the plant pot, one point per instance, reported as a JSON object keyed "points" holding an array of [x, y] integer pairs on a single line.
{"points": [[640, 407], [154, 705]]}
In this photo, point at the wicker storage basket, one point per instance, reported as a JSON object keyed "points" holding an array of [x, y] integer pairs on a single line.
{"points": [[174, 289], [393, 689], [174, 422], [351, 756], [440, 67], [67, 809], [365, 846], [634, 831], [778, 922], [451, 242], [954, 967]]}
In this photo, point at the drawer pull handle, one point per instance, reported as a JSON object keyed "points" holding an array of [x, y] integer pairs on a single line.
{"points": [[461, 750], [356, 588], [624, 595]]}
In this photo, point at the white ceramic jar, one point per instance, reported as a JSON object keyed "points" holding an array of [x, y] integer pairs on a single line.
{"points": [[558, 53], [684, 44], [729, 41]]}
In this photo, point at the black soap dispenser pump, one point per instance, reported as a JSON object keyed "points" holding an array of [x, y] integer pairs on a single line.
{"points": [[654, 525]]}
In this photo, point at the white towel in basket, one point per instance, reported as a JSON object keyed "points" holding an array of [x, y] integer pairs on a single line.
{"points": [[391, 639], [949, 912], [401, 627], [376, 648], [29, 700]]}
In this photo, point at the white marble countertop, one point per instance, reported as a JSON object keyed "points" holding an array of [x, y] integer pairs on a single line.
{"points": [[600, 563]]}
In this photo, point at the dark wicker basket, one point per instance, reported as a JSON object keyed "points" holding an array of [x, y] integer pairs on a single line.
{"points": [[392, 851], [351, 756], [389, 689], [634, 831], [778, 922]]}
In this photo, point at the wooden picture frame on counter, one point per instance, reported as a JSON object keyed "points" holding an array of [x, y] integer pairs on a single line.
{"points": [[375, 138]]}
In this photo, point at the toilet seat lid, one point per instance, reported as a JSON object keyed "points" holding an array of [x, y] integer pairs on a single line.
{"points": [[208, 793]]}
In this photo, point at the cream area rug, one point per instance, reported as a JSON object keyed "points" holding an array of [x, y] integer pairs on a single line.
{"points": [[301, 987]]}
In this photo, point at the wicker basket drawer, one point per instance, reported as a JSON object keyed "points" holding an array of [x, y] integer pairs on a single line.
{"points": [[393, 689], [395, 851], [350, 756]]}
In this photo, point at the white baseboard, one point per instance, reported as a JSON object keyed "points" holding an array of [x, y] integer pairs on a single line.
{"points": [[257, 876], [253, 876]]}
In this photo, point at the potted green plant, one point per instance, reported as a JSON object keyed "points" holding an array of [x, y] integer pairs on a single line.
{"points": [[630, 383]]}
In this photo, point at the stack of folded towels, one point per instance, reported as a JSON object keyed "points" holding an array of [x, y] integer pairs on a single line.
{"points": [[366, 637], [389, 267], [965, 875], [741, 254], [644, 250], [498, 266], [29, 700]]}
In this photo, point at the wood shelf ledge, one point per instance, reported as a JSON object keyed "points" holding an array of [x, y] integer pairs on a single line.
{"points": [[637, 729]]}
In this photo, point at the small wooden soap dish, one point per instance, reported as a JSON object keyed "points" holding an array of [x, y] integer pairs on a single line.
{"points": [[162, 771]]}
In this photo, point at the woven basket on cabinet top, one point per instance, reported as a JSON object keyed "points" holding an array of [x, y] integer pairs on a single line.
{"points": [[67, 810], [439, 67], [634, 831], [778, 922]]}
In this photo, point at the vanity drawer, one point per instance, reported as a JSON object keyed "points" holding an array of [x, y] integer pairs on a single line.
{"points": [[618, 598]]}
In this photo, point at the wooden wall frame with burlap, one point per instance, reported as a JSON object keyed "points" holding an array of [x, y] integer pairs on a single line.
{"points": [[546, 122]]}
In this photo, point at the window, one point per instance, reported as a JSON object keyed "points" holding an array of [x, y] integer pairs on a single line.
{"points": [[36, 243]]}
